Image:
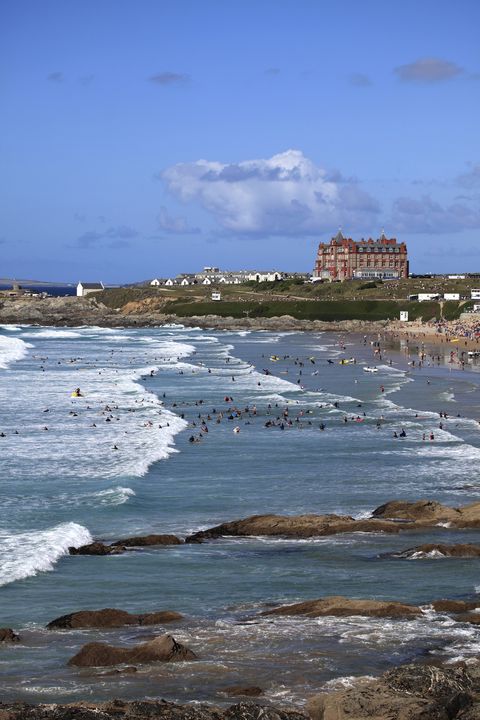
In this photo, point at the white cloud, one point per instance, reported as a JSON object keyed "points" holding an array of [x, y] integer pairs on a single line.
{"points": [[286, 194]]}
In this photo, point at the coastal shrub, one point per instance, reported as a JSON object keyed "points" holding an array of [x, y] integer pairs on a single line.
{"points": [[368, 286], [118, 297], [452, 310]]}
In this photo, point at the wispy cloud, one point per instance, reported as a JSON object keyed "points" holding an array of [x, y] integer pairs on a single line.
{"points": [[170, 78], [471, 178], [359, 80], [119, 235], [56, 77], [428, 70], [426, 215], [175, 225], [86, 80], [272, 71]]}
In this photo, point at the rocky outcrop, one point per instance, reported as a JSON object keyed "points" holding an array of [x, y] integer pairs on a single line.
{"points": [[435, 550], [145, 710], [161, 649], [411, 692], [393, 517], [110, 618], [455, 606], [295, 526], [8, 636], [120, 546], [147, 540], [425, 513], [344, 607], [421, 511], [96, 548]]}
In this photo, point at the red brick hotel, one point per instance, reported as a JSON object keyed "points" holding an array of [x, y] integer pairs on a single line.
{"points": [[346, 259]]}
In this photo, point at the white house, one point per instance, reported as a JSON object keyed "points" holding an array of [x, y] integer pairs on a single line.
{"points": [[475, 294], [84, 289], [206, 281], [184, 281], [216, 295], [267, 276], [170, 282], [156, 282], [451, 296]]}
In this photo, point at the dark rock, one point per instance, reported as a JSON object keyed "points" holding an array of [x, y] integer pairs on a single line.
{"points": [[129, 670], [344, 607], [246, 691], [295, 526], [96, 548], [422, 510], [472, 618], [393, 517], [147, 540], [110, 618], [144, 710], [455, 606], [410, 692], [8, 636], [431, 550], [163, 648]]}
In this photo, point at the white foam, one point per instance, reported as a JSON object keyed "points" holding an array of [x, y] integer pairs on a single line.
{"points": [[27, 554], [135, 432], [11, 350], [52, 334]]}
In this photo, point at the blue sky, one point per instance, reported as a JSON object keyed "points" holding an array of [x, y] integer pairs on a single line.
{"points": [[146, 138]]}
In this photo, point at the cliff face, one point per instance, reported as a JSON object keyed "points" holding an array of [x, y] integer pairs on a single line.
{"points": [[73, 312]]}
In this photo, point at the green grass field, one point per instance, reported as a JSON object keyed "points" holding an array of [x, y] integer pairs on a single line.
{"points": [[304, 310]]}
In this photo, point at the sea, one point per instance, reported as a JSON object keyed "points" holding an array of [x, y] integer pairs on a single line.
{"points": [[119, 461], [52, 290]]}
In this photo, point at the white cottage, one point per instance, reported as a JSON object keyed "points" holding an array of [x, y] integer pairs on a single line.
{"points": [[155, 282], [84, 289]]}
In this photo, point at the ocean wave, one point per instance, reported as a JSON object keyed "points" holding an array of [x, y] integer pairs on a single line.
{"points": [[11, 350], [26, 554], [114, 496], [53, 334]]}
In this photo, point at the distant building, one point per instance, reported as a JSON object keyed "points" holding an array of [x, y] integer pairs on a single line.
{"points": [[451, 296], [265, 276], [156, 282], [84, 289], [342, 258]]}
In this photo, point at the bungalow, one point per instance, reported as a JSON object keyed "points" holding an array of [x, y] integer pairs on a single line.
{"points": [[170, 282], [156, 282], [84, 289]]}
